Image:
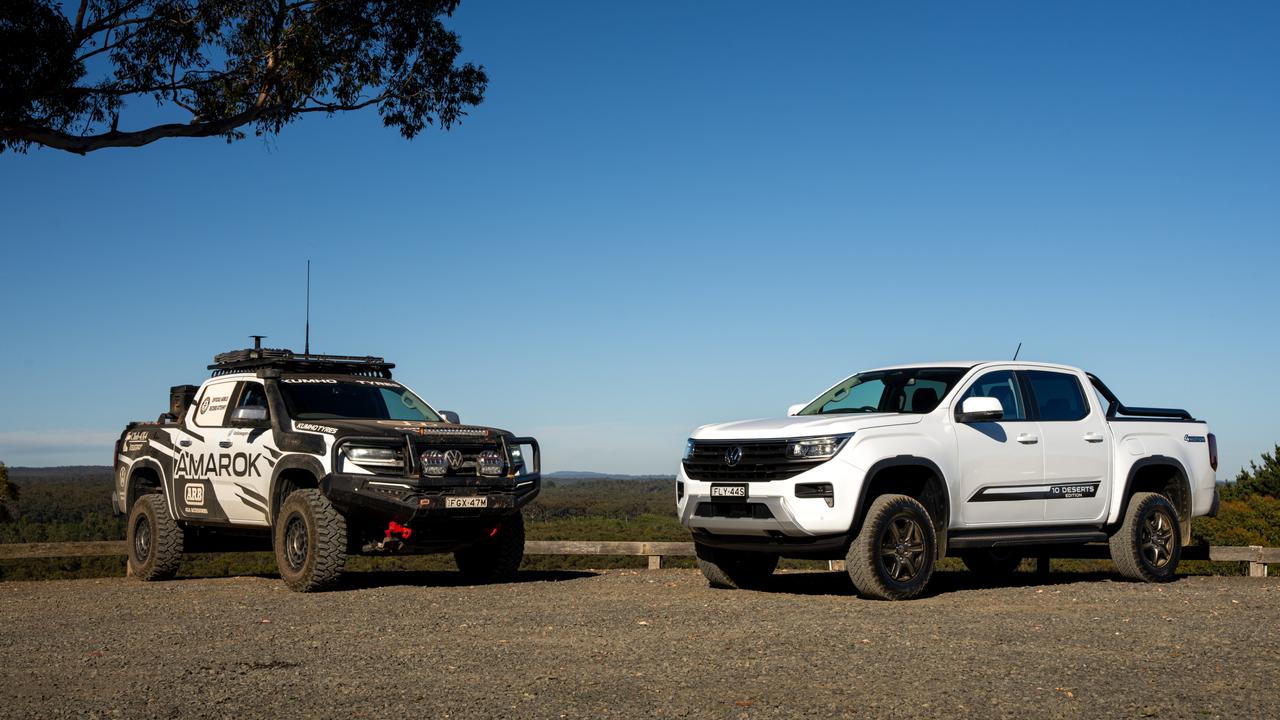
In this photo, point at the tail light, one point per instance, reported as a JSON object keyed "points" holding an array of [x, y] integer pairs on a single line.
{"points": [[1213, 451]]}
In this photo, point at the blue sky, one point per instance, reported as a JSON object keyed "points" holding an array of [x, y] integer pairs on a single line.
{"points": [[667, 215]]}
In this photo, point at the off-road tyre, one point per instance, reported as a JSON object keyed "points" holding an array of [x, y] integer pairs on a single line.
{"points": [[496, 558], [992, 563], [735, 569], [1148, 544], [310, 539], [892, 557], [154, 538]]}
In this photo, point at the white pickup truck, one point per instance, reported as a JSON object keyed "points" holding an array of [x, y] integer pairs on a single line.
{"points": [[892, 469]]}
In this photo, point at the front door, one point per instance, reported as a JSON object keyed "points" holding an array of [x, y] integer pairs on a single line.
{"points": [[1077, 447], [1002, 462]]}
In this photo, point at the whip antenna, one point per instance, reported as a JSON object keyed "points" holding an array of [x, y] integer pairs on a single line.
{"points": [[1015, 352], [306, 350]]}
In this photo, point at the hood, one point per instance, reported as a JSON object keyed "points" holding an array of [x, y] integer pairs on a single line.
{"points": [[397, 428], [800, 426]]}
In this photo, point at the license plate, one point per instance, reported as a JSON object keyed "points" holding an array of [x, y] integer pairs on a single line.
{"points": [[729, 492], [466, 502]]}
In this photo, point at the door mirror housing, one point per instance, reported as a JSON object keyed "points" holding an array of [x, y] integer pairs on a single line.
{"points": [[795, 409], [252, 415], [450, 417], [980, 409]]}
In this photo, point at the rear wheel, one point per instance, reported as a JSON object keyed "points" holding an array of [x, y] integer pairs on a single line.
{"points": [[497, 557], [310, 538], [735, 569], [154, 539], [1148, 544], [892, 557], [992, 563]]}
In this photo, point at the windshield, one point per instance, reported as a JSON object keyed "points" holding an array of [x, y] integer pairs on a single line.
{"points": [[909, 390], [329, 399]]}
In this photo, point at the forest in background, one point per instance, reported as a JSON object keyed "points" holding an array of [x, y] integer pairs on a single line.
{"points": [[64, 504]]}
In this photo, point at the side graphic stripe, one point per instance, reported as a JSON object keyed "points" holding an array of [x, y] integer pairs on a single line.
{"points": [[1008, 493]]}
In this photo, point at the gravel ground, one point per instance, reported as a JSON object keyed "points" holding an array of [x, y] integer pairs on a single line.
{"points": [[623, 643]]}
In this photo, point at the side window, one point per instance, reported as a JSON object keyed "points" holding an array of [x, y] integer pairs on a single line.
{"points": [[252, 394], [1003, 386], [1058, 396], [212, 409], [857, 398]]}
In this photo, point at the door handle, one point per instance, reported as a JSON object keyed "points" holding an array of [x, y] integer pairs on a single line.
{"points": [[1028, 439], [224, 443], [184, 443], [1093, 437]]}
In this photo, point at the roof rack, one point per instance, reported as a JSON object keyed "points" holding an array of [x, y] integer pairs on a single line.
{"points": [[259, 357]]}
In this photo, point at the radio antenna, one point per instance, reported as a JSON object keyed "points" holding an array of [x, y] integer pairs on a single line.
{"points": [[306, 349], [1015, 352]]}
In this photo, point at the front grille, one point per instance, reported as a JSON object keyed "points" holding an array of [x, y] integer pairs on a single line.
{"points": [[470, 456], [738, 510], [761, 462]]}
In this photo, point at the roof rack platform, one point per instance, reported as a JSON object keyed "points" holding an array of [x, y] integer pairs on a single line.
{"points": [[286, 360]]}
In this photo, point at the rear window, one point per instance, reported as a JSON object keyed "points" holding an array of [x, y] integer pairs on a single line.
{"points": [[1058, 396]]}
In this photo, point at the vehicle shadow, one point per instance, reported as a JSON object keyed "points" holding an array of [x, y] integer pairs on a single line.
{"points": [[943, 582], [367, 579]]}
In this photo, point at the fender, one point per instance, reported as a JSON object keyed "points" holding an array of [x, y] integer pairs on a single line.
{"points": [[291, 462], [166, 484], [1119, 502], [940, 524]]}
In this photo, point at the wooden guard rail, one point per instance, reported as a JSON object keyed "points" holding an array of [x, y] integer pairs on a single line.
{"points": [[1256, 556]]}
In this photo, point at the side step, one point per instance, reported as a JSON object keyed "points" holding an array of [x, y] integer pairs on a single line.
{"points": [[1014, 538]]}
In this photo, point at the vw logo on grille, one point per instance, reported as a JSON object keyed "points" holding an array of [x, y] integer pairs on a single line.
{"points": [[733, 456], [454, 458]]}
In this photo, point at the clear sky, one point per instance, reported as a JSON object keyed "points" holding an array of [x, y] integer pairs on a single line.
{"points": [[665, 215]]}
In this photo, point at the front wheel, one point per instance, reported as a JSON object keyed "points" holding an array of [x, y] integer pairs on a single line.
{"points": [[310, 538], [734, 569], [495, 558], [892, 557], [1148, 544], [154, 539]]}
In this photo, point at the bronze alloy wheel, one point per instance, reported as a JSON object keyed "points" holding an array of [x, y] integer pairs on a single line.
{"points": [[1157, 538], [902, 548]]}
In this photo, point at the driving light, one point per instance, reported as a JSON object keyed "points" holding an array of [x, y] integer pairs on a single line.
{"points": [[490, 463], [434, 463], [374, 456], [819, 448]]}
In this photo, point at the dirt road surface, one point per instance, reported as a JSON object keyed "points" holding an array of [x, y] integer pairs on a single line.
{"points": [[623, 643]]}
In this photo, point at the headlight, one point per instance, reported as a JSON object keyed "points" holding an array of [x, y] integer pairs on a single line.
{"points": [[374, 456], [819, 448], [688, 449]]}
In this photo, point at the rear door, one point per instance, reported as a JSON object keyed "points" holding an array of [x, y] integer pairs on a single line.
{"points": [[1001, 463], [1077, 446]]}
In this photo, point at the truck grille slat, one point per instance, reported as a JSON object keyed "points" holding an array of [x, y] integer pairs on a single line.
{"points": [[761, 462]]}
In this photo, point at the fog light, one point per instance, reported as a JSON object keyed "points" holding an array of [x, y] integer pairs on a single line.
{"points": [[434, 463], [490, 463]]}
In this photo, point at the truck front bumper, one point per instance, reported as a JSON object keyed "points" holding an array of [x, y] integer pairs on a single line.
{"points": [[408, 501]]}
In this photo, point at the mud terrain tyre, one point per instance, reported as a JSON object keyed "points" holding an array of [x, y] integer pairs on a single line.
{"points": [[310, 539], [494, 559], [735, 569], [1148, 544], [154, 539], [992, 563], [892, 556]]}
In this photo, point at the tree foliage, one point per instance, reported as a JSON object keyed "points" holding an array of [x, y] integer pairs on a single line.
{"points": [[1259, 479], [8, 494], [224, 65]]}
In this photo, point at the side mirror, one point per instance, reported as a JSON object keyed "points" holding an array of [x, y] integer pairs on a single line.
{"points": [[795, 409], [250, 415], [980, 409], [450, 417]]}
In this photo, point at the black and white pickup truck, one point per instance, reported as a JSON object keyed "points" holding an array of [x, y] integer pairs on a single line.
{"points": [[894, 468], [323, 456]]}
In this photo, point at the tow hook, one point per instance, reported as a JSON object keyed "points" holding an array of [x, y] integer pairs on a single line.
{"points": [[390, 541]]}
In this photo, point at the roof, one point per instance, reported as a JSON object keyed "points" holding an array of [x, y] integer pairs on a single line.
{"points": [[967, 364]]}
